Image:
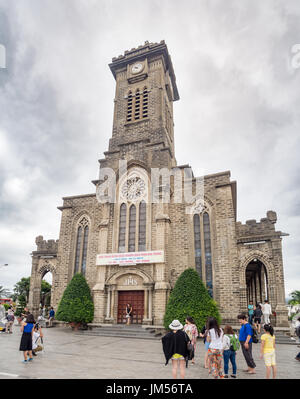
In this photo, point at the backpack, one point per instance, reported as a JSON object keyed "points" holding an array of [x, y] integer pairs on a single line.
{"points": [[234, 343], [257, 312], [254, 337]]}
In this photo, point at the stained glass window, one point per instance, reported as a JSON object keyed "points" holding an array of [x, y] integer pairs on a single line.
{"points": [[84, 252], [142, 226], [197, 242], [122, 228], [132, 228], [207, 247]]}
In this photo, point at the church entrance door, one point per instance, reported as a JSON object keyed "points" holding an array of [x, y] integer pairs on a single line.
{"points": [[136, 299]]}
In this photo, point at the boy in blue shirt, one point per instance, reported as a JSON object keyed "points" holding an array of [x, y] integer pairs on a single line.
{"points": [[245, 339]]}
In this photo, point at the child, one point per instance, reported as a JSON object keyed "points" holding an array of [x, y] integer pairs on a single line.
{"points": [[230, 346], [267, 350]]}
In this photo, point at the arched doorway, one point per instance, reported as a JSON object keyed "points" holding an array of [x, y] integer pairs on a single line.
{"points": [[256, 282], [46, 288]]}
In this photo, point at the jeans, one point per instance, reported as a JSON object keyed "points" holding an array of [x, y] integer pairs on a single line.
{"points": [[250, 319], [229, 355]]}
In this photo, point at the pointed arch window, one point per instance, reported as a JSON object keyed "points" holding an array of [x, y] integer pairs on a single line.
{"points": [[142, 226], [122, 228], [203, 252], [132, 228], [207, 248], [81, 249], [84, 252], [197, 241], [78, 248]]}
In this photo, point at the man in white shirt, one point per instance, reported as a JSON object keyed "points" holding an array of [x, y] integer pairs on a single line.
{"points": [[267, 311]]}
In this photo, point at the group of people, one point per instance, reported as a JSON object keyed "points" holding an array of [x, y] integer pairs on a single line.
{"points": [[221, 347], [32, 337], [259, 314]]}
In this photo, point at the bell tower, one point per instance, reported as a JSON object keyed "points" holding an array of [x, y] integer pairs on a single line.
{"points": [[143, 127]]}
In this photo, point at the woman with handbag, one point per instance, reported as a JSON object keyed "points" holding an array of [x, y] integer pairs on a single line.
{"points": [[215, 351], [191, 329]]}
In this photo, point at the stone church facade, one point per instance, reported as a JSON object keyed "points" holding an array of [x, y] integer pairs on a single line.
{"points": [[133, 242]]}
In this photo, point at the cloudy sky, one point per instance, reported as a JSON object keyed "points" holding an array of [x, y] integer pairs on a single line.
{"points": [[238, 81]]}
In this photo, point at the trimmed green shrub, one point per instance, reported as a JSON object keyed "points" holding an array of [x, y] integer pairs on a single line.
{"points": [[190, 298], [76, 304]]}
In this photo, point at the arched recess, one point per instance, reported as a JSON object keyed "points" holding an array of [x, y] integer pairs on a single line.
{"points": [[257, 279], [47, 267], [112, 280], [134, 284]]}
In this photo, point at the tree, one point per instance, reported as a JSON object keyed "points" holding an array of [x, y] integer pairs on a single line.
{"points": [[76, 305], [295, 298], [45, 293], [22, 288], [4, 293], [190, 298]]}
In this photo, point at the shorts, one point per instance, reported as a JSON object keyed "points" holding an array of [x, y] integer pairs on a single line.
{"points": [[257, 320], [176, 356], [270, 359], [206, 345]]}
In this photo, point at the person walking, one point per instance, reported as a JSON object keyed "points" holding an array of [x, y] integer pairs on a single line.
{"points": [[191, 330], [215, 350], [267, 311], [245, 338], [51, 316], [267, 350], [10, 321], [175, 347], [257, 314], [128, 313], [26, 339], [230, 346], [203, 334], [250, 312]]}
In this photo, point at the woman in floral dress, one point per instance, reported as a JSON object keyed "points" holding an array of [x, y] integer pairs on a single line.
{"points": [[191, 329]]}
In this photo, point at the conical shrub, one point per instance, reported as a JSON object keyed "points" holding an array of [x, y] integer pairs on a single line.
{"points": [[76, 304], [190, 298]]}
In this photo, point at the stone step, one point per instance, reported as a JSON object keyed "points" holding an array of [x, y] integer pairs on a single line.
{"points": [[119, 335], [122, 331]]}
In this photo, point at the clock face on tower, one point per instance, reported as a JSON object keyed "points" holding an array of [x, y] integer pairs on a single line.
{"points": [[137, 68]]}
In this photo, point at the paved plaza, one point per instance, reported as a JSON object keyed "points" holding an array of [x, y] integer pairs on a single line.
{"points": [[71, 355]]}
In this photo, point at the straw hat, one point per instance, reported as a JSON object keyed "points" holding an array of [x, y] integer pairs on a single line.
{"points": [[176, 325]]}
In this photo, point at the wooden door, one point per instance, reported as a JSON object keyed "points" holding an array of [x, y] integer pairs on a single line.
{"points": [[136, 299]]}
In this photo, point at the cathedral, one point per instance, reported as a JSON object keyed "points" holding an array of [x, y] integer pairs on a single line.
{"points": [[148, 219]]}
